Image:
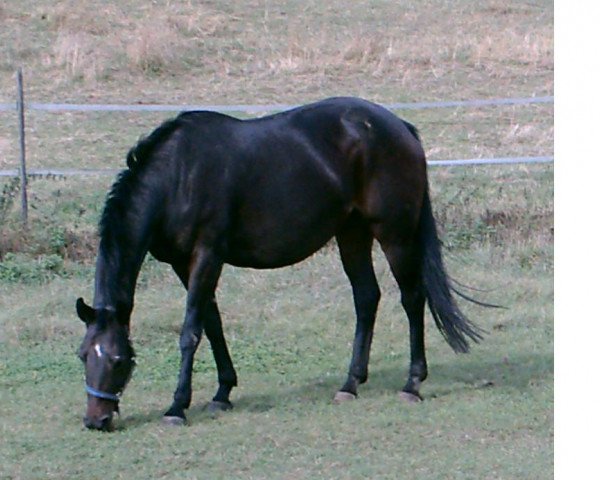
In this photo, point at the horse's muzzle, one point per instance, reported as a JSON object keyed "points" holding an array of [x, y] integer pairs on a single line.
{"points": [[103, 423]]}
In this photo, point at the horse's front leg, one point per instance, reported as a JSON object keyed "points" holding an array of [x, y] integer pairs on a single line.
{"points": [[203, 277]]}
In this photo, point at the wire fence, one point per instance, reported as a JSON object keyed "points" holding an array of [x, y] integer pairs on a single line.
{"points": [[269, 108], [83, 172], [20, 107]]}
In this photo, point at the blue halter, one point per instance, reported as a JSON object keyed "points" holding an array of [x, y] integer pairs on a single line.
{"points": [[115, 397]]}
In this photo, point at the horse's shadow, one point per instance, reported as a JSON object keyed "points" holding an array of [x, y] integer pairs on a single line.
{"points": [[518, 373]]}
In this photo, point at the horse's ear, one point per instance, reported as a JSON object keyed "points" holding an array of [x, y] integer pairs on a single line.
{"points": [[85, 312]]}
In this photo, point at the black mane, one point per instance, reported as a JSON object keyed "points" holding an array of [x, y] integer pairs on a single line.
{"points": [[116, 203], [138, 154], [413, 130], [118, 198]]}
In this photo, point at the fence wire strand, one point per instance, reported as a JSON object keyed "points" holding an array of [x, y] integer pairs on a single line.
{"points": [[263, 109]]}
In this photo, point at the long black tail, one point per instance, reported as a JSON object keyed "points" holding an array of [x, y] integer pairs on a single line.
{"points": [[451, 322]]}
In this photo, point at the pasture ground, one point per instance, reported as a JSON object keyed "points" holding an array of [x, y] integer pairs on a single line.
{"points": [[487, 415]]}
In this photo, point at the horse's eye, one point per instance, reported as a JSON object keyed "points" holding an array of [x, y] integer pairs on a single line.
{"points": [[117, 361]]}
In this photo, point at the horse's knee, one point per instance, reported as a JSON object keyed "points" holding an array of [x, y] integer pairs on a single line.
{"points": [[189, 340], [368, 298]]}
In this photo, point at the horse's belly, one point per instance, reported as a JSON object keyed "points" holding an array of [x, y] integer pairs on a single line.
{"points": [[279, 244]]}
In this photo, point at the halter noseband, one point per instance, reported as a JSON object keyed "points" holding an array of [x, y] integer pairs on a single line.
{"points": [[115, 397]]}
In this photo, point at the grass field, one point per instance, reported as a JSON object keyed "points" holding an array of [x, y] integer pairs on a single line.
{"points": [[487, 415]]}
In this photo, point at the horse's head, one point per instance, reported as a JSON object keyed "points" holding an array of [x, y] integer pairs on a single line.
{"points": [[109, 360]]}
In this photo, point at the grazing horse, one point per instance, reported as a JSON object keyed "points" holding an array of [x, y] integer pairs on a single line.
{"points": [[205, 189]]}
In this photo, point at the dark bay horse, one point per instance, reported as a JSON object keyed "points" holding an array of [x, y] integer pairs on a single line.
{"points": [[206, 189]]}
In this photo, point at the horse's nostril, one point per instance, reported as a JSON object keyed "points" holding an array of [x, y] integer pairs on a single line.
{"points": [[106, 423], [87, 422]]}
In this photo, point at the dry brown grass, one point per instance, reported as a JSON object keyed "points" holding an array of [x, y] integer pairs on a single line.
{"points": [[78, 55], [319, 54], [152, 46], [253, 51], [92, 45]]}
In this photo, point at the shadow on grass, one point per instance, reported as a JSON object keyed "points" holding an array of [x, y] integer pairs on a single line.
{"points": [[518, 372]]}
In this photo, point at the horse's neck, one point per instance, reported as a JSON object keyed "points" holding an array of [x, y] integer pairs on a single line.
{"points": [[120, 258]]}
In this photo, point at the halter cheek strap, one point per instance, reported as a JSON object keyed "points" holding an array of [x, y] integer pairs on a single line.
{"points": [[100, 394]]}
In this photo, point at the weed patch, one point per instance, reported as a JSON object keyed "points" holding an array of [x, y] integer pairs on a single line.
{"points": [[21, 268]]}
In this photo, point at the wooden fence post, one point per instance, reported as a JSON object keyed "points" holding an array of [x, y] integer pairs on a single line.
{"points": [[23, 169]]}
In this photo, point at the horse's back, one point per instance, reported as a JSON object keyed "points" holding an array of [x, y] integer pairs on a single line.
{"points": [[273, 190]]}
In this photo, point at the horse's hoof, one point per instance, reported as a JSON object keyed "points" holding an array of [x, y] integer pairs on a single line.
{"points": [[216, 406], [173, 421], [410, 397], [342, 397]]}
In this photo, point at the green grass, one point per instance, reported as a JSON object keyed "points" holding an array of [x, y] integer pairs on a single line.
{"points": [[487, 415]]}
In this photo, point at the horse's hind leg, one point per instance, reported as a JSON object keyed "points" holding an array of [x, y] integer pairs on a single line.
{"points": [[355, 242], [405, 265]]}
